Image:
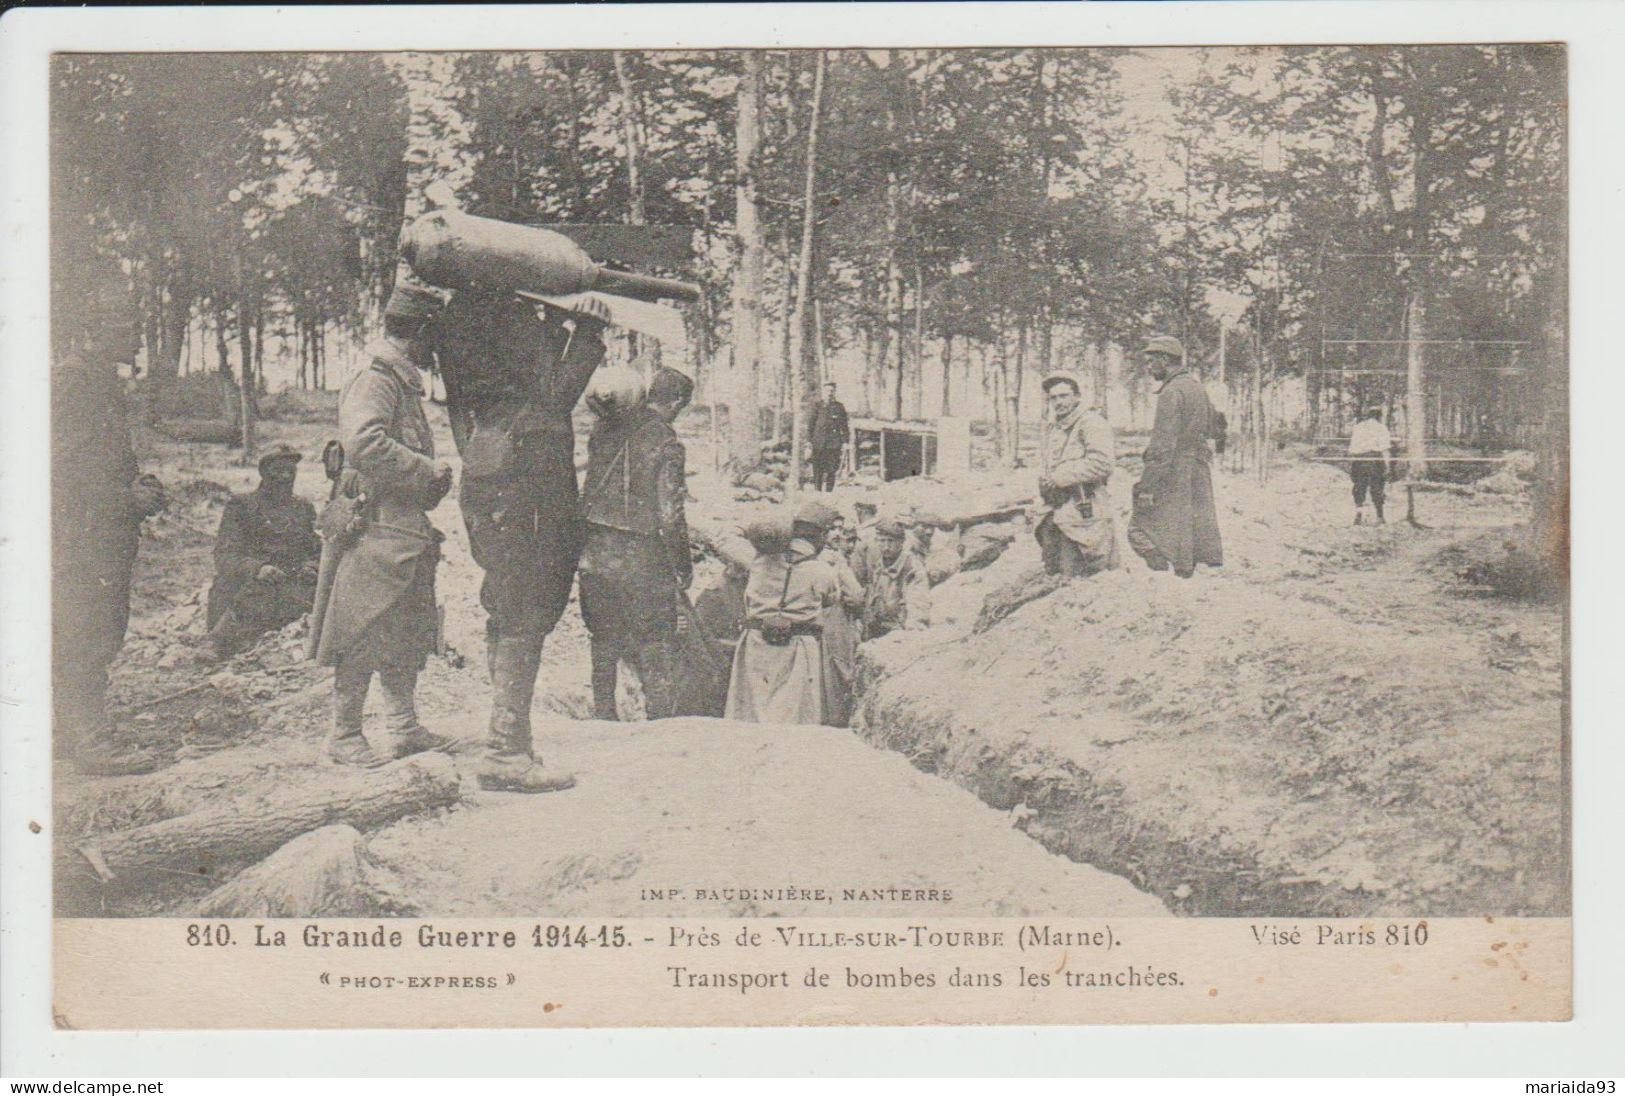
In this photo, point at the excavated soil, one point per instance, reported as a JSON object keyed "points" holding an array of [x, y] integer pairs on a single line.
{"points": [[1337, 722], [1331, 724], [691, 804]]}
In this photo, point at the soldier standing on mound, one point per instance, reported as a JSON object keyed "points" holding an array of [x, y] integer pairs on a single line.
{"points": [[1174, 523], [375, 611], [512, 378]]}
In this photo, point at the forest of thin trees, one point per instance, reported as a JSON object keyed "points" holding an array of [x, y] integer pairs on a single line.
{"points": [[950, 223]]}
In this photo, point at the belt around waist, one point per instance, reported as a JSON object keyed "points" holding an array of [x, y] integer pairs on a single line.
{"points": [[804, 628]]}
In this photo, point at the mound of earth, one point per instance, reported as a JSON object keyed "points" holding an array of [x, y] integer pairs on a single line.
{"points": [[1318, 729]]}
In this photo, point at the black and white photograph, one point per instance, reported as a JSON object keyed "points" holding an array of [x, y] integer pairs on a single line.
{"points": [[1067, 487]]}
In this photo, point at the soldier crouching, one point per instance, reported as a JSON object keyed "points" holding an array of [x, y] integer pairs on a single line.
{"points": [[636, 561], [265, 557], [375, 607]]}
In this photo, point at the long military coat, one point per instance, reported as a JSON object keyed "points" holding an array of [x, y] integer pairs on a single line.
{"points": [[95, 527], [783, 684], [1174, 522], [381, 611]]}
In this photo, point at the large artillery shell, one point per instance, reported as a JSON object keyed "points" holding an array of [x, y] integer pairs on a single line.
{"points": [[456, 250]]}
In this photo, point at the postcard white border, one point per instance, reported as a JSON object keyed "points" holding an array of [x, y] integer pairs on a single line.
{"points": [[1593, 31]]}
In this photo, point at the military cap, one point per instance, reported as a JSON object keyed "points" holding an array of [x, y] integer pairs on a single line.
{"points": [[817, 515], [279, 453], [413, 301], [670, 386], [1060, 376], [889, 527], [1164, 344]]}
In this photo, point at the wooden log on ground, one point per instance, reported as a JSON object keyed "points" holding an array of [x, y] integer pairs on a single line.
{"points": [[323, 873], [201, 842], [966, 520]]}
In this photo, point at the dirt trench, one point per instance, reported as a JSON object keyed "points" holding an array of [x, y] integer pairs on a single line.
{"points": [[1240, 750]]}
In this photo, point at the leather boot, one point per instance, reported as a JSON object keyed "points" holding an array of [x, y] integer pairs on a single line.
{"points": [[509, 765], [606, 659], [346, 744], [406, 735], [657, 667]]}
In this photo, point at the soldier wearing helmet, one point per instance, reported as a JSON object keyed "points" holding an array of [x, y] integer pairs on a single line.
{"points": [[1175, 524], [778, 670]]}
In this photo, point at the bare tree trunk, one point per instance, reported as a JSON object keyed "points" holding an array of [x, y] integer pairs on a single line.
{"points": [[173, 322], [919, 340], [632, 134], [803, 366], [1012, 394], [892, 346], [781, 404], [245, 382], [222, 348], [249, 829], [947, 374], [1257, 410], [1001, 428], [744, 450], [1415, 385], [259, 346], [873, 369]]}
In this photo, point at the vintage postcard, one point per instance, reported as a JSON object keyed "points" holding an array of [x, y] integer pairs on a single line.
{"points": [[908, 534]]}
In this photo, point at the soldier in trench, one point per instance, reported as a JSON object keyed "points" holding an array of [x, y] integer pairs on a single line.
{"points": [[778, 671], [1175, 523], [636, 562], [896, 589]]}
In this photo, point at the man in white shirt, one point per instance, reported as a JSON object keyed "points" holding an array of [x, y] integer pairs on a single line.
{"points": [[1370, 445]]}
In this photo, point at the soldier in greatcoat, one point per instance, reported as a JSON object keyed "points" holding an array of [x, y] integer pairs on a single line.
{"points": [[1076, 533], [706, 643], [778, 672], [1175, 523], [375, 611], [265, 559], [99, 499], [513, 377], [636, 562]]}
